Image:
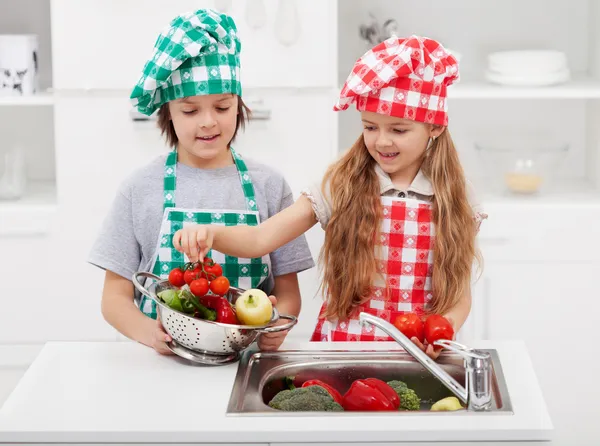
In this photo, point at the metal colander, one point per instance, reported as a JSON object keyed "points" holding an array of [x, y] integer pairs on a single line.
{"points": [[202, 336]]}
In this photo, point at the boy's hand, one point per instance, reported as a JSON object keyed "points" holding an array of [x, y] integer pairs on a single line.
{"points": [[272, 341], [194, 241], [160, 339]]}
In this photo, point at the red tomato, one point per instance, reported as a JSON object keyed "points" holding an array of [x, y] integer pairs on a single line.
{"points": [[213, 271], [437, 327], [190, 275], [410, 325], [220, 286], [201, 274], [176, 277], [199, 287]]}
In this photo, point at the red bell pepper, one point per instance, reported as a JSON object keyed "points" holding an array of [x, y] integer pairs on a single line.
{"points": [[210, 301], [386, 389], [337, 396], [225, 313], [370, 394]]}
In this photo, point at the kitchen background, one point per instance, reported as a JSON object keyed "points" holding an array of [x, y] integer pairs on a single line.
{"points": [[528, 136]]}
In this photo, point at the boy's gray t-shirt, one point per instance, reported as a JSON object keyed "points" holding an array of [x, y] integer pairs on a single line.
{"points": [[129, 234]]}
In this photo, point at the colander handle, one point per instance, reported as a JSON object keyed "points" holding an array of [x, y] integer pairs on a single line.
{"points": [[139, 286], [293, 320]]}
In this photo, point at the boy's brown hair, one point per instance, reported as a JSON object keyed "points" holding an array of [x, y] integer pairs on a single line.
{"points": [[168, 131]]}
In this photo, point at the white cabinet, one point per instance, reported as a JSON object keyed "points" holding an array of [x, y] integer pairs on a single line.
{"points": [[26, 125], [538, 232], [539, 285], [554, 309], [111, 49], [97, 147]]}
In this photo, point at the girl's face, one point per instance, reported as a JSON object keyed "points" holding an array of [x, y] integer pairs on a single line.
{"points": [[397, 144], [204, 126]]}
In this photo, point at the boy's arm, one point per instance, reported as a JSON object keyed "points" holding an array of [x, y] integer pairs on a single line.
{"points": [[120, 311]]}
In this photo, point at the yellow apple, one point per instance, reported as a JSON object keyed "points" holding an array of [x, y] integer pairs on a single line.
{"points": [[450, 403], [253, 307]]}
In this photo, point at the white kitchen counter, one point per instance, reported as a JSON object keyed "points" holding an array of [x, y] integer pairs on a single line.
{"points": [[123, 392]]}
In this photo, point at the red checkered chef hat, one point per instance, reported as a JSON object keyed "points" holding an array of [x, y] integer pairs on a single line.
{"points": [[402, 77]]}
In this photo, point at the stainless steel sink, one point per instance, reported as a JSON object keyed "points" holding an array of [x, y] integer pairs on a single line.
{"points": [[261, 375]]}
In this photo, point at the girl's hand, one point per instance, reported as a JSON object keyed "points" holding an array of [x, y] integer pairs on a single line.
{"points": [[429, 350], [160, 339], [194, 241], [272, 341]]}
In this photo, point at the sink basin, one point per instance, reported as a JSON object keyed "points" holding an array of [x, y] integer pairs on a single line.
{"points": [[260, 376]]}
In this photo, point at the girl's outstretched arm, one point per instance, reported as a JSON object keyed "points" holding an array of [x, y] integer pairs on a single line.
{"points": [[247, 241], [460, 312]]}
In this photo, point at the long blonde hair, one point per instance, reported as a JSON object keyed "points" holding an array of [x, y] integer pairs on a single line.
{"points": [[348, 254]]}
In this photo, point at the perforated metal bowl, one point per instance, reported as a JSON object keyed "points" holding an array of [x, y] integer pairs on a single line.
{"points": [[202, 336]]}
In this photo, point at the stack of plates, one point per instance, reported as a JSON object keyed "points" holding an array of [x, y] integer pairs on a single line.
{"points": [[528, 68]]}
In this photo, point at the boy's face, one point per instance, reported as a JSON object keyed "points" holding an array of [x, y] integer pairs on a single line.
{"points": [[204, 126], [396, 144]]}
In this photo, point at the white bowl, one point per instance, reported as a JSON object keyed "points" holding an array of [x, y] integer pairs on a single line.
{"points": [[527, 61], [521, 165]]}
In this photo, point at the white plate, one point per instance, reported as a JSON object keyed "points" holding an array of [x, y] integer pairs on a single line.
{"points": [[525, 80]]}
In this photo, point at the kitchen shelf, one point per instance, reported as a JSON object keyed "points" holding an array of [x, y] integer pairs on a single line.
{"points": [[42, 99], [579, 88], [31, 215], [563, 192]]}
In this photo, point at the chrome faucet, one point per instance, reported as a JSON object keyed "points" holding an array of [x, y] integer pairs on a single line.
{"points": [[478, 365]]}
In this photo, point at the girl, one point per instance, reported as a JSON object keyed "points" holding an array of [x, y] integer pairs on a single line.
{"points": [[399, 228], [193, 81]]}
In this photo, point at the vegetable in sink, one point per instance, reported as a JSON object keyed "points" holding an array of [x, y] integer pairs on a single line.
{"points": [[370, 395], [450, 403], [365, 395], [303, 399], [409, 400], [337, 397]]}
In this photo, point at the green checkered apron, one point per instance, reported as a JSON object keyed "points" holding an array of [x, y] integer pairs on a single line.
{"points": [[242, 273]]}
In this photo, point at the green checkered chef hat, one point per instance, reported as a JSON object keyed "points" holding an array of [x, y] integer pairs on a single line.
{"points": [[198, 54]]}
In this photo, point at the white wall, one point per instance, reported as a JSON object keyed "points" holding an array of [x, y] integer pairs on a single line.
{"points": [[265, 61]]}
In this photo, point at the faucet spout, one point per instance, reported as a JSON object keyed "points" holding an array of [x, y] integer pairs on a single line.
{"points": [[477, 395]]}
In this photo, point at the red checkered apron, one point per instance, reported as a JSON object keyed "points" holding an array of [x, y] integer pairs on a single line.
{"points": [[405, 256]]}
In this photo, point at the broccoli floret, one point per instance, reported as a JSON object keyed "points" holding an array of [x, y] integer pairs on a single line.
{"points": [[312, 398], [409, 400], [397, 384]]}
